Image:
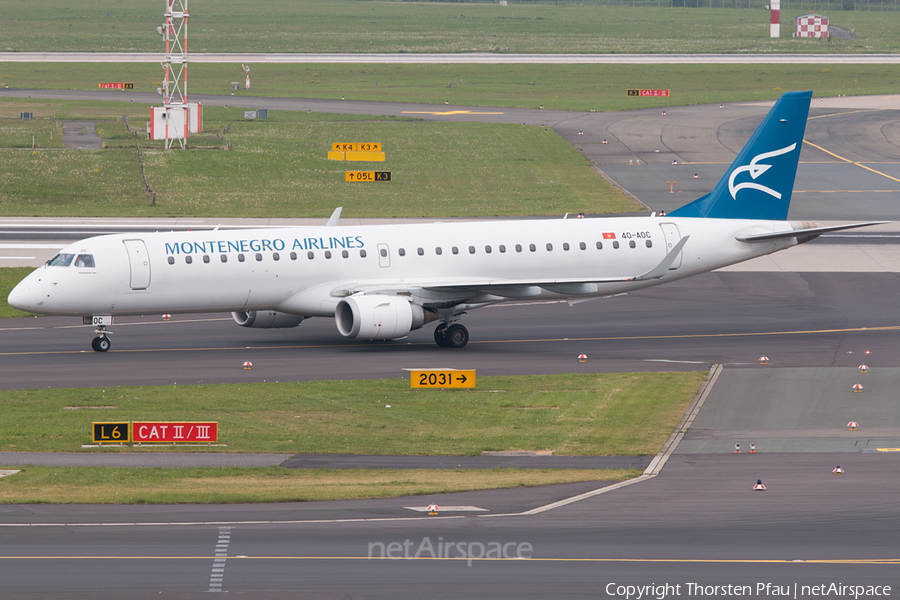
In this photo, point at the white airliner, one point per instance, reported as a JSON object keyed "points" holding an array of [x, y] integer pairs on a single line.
{"points": [[380, 282]]}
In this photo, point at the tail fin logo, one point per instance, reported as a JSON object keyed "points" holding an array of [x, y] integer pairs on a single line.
{"points": [[756, 169]]}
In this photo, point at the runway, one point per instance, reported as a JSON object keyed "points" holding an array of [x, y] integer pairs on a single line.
{"points": [[816, 311]]}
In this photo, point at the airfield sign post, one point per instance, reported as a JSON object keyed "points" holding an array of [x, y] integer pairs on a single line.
{"points": [[442, 378]]}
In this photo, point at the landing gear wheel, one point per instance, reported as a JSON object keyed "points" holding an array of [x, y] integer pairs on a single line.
{"points": [[456, 336], [440, 335], [100, 344]]}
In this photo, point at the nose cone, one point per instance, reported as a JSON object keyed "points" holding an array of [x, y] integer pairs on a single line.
{"points": [[22, 296]]}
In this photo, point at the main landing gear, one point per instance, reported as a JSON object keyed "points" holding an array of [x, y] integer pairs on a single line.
{"points": [[451, 336]]}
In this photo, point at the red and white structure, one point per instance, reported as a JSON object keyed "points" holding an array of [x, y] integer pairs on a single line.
{"points": [[176, 118], [247, 72], [759, 486], [775, 19], [812, 26], [853, 425]]}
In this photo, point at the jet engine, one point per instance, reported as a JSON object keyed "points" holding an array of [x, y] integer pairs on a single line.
{"points": [[265, 319], [379, 317]]}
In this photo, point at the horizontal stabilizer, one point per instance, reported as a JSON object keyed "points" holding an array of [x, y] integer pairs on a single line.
{"points": [[802, 233]]}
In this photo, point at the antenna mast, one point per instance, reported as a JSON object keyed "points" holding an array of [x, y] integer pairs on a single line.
{"points": [[174, 117]]}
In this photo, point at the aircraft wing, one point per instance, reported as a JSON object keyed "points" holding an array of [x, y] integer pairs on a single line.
{"points": [[516, 288]]}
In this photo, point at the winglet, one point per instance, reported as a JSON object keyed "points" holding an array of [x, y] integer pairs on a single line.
{"points": [[663, 267], [332, 222]]}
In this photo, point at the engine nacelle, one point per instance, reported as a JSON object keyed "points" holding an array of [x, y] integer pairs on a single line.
{"points": [[265, 319], [379, 317]]}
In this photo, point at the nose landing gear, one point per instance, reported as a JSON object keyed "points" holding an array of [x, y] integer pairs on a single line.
{"points": [[100, 343]]}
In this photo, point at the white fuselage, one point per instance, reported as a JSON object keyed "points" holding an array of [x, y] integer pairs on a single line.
{"points": [[307, 270]]}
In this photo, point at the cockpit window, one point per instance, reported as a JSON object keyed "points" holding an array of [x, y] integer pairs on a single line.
{"points": [[85, 260], [61, 260]]}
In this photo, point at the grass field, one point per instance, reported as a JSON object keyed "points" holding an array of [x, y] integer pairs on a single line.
{"points": [[574, 414], [230, 485], [362, 26], [565, 87], [279, 168], [605, 414]]}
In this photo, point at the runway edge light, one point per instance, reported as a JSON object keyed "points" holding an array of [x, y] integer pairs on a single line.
{"points": [[838, 470], [737, 448], [248, 365], [858, 387], [759, 486], [763, 360], [433, 509], [582, 358], [853, 425]]}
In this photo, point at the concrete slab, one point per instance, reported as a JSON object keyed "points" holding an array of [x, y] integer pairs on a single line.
{"points": [[798, 410]]}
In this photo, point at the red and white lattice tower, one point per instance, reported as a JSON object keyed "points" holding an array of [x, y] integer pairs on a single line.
{"points": [[775, 22], [176, 118]]}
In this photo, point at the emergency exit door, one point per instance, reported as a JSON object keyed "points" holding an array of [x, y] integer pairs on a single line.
{"points": [[672, 235]]}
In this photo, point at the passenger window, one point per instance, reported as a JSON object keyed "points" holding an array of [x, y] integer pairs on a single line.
{"points": [[454, 250], [582, 245], [345, 254], [518, 247], [649, 244], [85, 260], [549, 247], [328, 254], [188, 259], [599, 245], [240, 258], [502, 248], [171, 260], [532, 247], [61, 260], [631, 244], [310, 255], [206, 258], [566, 246], [616, 245], [383, 252], [293, 256], [276, 256], [223, 258], [438, 251], [471, 249], [401, 252], [362, 253], [420, 251], [258, 257], [487, 249]]}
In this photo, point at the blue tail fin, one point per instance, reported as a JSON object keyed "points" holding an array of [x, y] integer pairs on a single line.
{"points": [[760, 181]]}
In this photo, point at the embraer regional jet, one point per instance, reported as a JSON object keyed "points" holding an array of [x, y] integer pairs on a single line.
{"points": [[379, 282]]}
